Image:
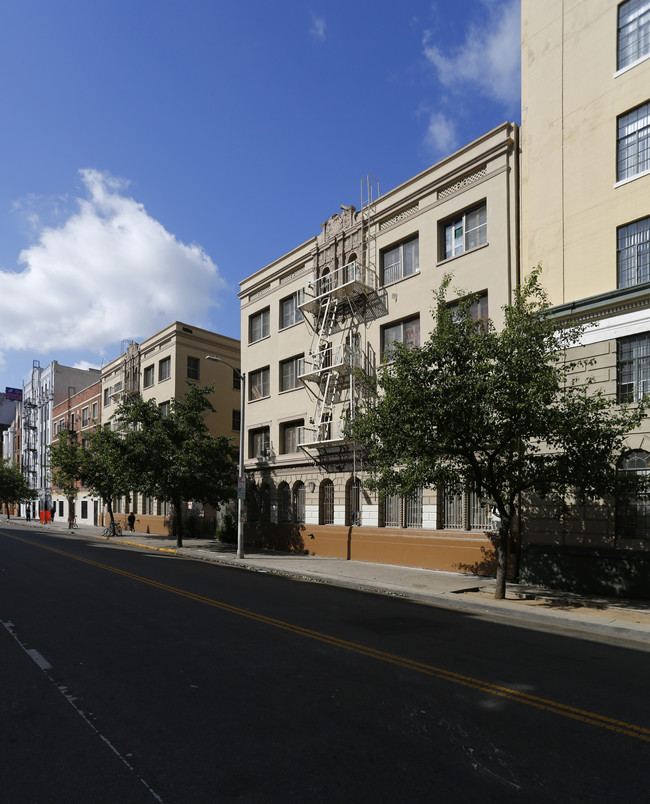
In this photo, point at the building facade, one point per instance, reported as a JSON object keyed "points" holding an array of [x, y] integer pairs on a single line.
{"points": [[336, 303], [45, 388], [77, 415], [160, 369], [585, 189]]}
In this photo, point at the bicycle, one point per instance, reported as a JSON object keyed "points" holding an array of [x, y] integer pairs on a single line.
{"points": [[113, 529], [72, 523]]}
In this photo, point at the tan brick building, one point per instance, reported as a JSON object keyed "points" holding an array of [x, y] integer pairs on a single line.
{"points": [[585, 188], [160, 368], [336, 303]]}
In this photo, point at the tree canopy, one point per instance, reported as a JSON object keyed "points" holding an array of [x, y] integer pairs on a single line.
{"points": [[14, 488], [502, 413], [173, 456]]}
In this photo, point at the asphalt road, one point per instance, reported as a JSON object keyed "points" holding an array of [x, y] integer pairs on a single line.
{"points": [[131, 676]]}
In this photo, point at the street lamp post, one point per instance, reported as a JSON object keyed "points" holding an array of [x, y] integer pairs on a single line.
{"points": [[240, 484]]}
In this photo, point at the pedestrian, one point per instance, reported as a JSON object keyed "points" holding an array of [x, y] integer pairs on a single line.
{"points": [[28, 514], [131, 521]]}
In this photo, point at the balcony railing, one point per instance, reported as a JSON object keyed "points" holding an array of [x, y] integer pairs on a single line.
{"points": [[346, 282], [324, 433], [341, 358]]}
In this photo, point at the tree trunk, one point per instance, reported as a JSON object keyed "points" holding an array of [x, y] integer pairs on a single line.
{"points": [[177, 524], [111, 519], [502, 559]]}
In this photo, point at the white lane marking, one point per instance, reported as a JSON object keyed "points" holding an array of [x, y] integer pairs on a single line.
{"points": [[40, 660], [45, 666]]}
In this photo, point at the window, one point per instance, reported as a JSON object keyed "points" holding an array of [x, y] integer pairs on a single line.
{"points": [[149, 376], [164, 408], [107, 397], [193, 368], [633, 31], [85, 419], [290, 313], [284, 502], [465, 232], [400, 261], [633, 367], [259, 384], [236, 420], [260, 443], [236, 379], [406, 332], [402, 512], [633, 143], [353, 502], [290, 436], [258, 326], [289, 370], [478, 309], [633, 253], [95, 411], [265, 503], [164, 369], [633, 513], [84, 509], [298, 493], [326, 503]]}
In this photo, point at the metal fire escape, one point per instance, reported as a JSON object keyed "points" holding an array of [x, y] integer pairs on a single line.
{"points": [[335, 306]]}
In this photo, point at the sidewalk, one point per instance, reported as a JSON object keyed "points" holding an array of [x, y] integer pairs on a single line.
{"points": [[594, 617]]}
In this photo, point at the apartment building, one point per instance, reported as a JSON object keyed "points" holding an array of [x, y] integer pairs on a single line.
{"points": [[336, 303], [77, 415], [160, 369], [585, 185], [46, 387]]}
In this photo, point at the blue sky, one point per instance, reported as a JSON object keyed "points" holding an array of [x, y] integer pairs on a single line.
{"points": [[156, 152]]}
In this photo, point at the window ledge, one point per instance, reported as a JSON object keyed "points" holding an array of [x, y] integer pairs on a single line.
{"points": [[462, 254], [261, 399], [632, 178], [401, 279], [632, 65], [289, 390], [259, 340], [289, 326]]}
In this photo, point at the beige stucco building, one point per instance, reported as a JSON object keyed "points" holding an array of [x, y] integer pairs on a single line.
{"points": [[336, 303], [585, 190], [160, 369]]}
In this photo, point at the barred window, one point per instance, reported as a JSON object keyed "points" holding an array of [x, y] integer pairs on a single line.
{"points": [[402, 512], [633, 253], [298, 493], [633, 513], [326, 502]]}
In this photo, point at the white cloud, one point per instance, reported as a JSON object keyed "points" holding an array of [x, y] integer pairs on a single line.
{"points": [[110, 271], [317, 27], [489, 58], [441, 133]]}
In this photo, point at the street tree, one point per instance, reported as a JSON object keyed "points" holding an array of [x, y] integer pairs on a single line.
{"points": [[65, 459], [106, 468], [500, 413], [14, 487], [174, 457]]}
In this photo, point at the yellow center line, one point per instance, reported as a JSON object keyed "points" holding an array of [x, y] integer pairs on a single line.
{"points": [[591, 718]]}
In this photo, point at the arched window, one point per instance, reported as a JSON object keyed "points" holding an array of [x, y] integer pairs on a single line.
{"points": [[633, 512], [284, 502], [326, 502], [252, 502], [298, 501], [353, 501], [265, 503]]}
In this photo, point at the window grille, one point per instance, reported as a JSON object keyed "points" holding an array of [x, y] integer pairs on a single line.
{"points": [[327, 503], [299, 501]]}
